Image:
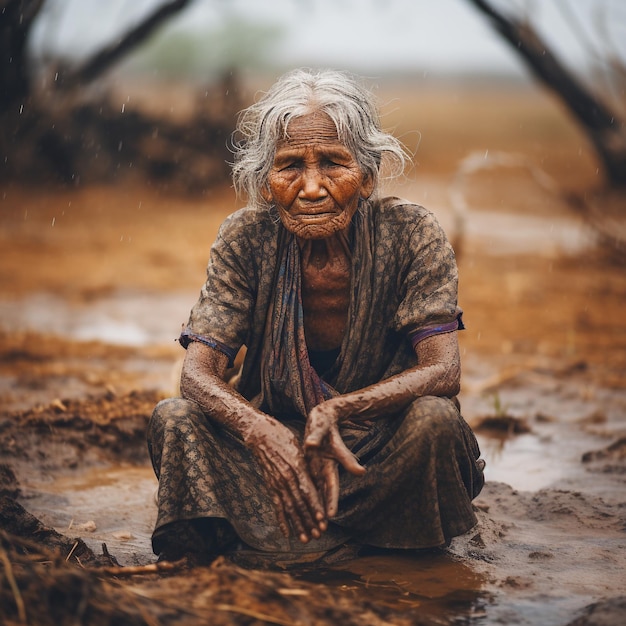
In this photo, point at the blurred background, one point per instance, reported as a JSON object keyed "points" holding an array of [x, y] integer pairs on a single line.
{"points": [[115, 125], [94, 91]]}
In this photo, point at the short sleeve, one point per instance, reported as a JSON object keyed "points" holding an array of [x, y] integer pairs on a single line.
{"points": [[224, 309], [430, 281]]}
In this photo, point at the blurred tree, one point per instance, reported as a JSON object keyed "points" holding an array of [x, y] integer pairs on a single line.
{"points": [[601, 121], [16, 21], [65, 134], [110, 55]]}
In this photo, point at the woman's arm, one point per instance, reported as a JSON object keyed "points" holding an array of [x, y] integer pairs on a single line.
{"points": [[276, 449], [437, 373]]}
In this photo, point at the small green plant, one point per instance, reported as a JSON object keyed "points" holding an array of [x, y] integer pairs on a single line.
{"points": [[501, 421], [500, 410]]}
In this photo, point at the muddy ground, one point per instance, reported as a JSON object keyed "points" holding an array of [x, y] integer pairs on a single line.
{"points": [[95, 283]]}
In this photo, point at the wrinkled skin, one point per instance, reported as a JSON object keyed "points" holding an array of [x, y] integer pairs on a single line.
{"points": [[316, 183]]}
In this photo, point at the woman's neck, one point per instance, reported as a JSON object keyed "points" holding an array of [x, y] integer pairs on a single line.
{"points": [[321, 252], [326, 270]]}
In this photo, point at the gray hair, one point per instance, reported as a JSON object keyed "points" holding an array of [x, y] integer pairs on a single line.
{"points": [[300, 92]]}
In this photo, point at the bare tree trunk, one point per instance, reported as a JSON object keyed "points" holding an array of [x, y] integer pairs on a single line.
{"points": [[107, 57], [16, 17], [71, 140], [603, 126]]}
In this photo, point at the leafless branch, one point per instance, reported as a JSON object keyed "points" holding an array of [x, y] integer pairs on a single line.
{"points": [[603, 126], [104, 59]]}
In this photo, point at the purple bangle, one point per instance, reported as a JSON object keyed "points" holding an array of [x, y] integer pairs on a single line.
{"points": [[186, 337], [422, 333]]}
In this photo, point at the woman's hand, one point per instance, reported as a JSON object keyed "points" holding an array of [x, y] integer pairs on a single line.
{"points": [[298, 505], [325, 450], [279, 454]]}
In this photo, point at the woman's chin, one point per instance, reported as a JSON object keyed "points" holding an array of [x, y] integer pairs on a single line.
{"points": [[315, 229]]}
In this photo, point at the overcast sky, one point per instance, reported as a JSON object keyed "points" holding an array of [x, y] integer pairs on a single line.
{"points": [[366, 35]]}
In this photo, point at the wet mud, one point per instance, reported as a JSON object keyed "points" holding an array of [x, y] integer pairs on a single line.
{"points": [[95, 284]]}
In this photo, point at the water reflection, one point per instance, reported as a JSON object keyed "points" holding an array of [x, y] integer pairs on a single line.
{"points": [[535, 460], [438, 584]]}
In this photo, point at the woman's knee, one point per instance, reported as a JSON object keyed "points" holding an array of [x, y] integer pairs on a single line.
{"points": [[439, 417], [172, 412]]}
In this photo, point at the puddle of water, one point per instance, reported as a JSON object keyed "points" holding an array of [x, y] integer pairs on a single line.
{"points": [[129, 318], [440, 586], [522, 461], [119, 500], [533, 461]]}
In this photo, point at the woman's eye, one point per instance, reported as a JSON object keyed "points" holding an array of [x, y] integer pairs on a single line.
{"points": [[291, 166], [330, 163]]}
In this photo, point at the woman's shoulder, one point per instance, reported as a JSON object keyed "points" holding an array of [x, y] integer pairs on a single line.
{"points": [[248, 223], [397, 213]]}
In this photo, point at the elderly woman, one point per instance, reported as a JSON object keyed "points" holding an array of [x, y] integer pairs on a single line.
{"points": [[342, 425]]}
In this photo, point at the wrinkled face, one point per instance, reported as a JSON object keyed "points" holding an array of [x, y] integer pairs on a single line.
{"points": [[315, 181]]}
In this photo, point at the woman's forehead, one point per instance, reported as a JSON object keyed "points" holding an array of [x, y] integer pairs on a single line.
{"points": [[311, 127]]}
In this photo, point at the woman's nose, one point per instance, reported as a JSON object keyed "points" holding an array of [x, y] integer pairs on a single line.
{"points": [[312, 187]]}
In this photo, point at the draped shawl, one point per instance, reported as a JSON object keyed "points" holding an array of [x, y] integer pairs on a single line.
{"points": [[403, 284]]}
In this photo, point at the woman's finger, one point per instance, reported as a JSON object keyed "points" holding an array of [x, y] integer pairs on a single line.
{"points": [[342, 454], [283, 524], [330, 473]]}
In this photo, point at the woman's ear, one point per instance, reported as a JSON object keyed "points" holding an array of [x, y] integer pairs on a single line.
{"points": [[367, 186]]}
